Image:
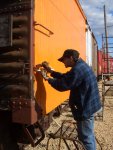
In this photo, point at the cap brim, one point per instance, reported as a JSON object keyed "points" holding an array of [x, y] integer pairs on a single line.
{"points": [[61, 59]]}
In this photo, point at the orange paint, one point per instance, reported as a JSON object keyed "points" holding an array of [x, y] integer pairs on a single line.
{"points": [[67, 22]]}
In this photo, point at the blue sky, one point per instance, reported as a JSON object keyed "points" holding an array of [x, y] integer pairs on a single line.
{"points": [[95, 15]]}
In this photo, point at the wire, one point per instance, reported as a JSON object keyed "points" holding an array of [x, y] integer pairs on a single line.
{"points": [[110, 26], [103, 27]]}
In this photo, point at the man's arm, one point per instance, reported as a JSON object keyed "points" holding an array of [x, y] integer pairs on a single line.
{"points": [[57, 75], [66, 82]]}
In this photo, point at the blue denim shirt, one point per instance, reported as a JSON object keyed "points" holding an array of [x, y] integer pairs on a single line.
{"points": [[84, 98]]}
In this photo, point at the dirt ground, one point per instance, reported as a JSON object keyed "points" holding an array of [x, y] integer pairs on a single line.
{"points": [[103, 130]]}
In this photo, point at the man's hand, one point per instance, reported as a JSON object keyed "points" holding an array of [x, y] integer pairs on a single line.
{"points": [[46, 66], [44, 74], [37, 67]]}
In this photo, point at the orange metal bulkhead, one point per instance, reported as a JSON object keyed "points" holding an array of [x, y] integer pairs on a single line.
{"points": [[59, 25]]}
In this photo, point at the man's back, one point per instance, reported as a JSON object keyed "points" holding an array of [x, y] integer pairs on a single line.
{"points": [[84, 94]]}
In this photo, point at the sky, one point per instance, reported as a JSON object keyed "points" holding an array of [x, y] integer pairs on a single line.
{"points": [[95, 15]]}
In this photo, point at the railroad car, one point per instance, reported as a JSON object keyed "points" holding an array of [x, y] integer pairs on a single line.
{"points": [[94, 54], [111, 64], [32, 31], [91, 49], [100, 63], [105, 63]]}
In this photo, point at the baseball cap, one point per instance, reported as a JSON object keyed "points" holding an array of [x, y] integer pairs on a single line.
{"points": [[70, 52]]}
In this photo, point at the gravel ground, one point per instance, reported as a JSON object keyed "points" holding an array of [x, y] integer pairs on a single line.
{"points": [[103, 130]]}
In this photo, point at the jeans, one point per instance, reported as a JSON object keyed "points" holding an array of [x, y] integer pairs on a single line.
{"points": [[86, 133]]}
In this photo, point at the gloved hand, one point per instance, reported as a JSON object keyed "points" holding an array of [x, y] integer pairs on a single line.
{"points": [[44, 74], [37, 67], [46, 66]]}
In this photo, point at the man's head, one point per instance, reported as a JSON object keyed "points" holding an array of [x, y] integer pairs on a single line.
{"points": [[69, 58]]}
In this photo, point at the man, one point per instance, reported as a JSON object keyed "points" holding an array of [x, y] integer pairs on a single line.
{"points": [[84, 98]]}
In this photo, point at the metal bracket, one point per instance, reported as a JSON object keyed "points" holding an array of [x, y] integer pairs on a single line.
{"points": [[34, 142], [24, 111], [43, 27]]}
